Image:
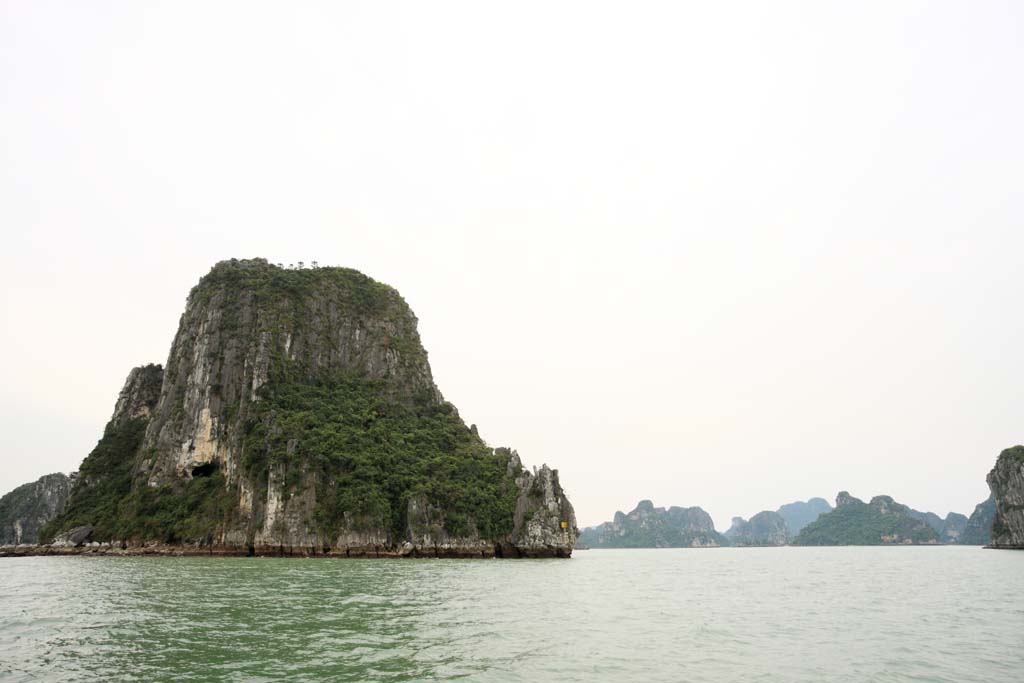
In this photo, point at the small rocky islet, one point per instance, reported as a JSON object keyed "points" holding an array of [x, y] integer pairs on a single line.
{"points": [[649, 527], [297, 415]]}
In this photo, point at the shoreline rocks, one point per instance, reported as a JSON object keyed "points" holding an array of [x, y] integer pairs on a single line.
{"points": [[406, 551]]}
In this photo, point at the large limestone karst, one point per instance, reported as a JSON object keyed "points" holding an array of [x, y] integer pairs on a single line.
{"points": [[297, 413], [1006, 480], [650, 527]]}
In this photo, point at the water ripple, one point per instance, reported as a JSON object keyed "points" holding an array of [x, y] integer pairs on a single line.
{"points": [[774, 615]]}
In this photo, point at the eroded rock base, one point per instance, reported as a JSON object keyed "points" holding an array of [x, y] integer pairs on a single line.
{"points": [[98, 549]]}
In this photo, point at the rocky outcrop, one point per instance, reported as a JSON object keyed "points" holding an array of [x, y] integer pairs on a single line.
{"points": [[73, 538], [844, 499], [544, 523], [766, 528], [979, 525], [297, 414], [883, 521], [140, 394], [801, 513], [1006, 481], [650, 527], [29, 507]]}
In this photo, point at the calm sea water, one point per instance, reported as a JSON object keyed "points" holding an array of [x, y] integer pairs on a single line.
{"points": [[767, 614]]}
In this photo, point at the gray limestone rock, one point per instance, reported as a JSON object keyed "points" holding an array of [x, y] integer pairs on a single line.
{"points": [[139, 395], [73, 538], [27, 508], [1006, 480], [544, 523]]}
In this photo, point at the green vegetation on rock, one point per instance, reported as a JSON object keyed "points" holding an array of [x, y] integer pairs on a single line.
{"points": [[266, 282], [369, 456], [104, 482], [854, 522], [650, 527], [104, 498], [297, 413]]}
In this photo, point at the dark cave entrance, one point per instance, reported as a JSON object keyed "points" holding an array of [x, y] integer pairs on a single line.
{"points": [[204, 470]]}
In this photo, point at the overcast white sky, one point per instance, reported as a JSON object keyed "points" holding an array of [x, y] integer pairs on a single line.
{"points": [[716, 254]]}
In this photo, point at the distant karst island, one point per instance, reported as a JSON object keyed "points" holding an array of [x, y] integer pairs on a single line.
{"points": [[296, 415], [997, 522], [655, 527]]}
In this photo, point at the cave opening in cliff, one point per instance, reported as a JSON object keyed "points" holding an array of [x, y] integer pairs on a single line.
{"points": [[204, 470]]}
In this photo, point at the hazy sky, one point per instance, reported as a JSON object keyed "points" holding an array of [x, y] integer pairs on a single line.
{"points": [[716, 254]]}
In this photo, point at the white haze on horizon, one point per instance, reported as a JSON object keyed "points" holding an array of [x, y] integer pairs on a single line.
{"points": [[727, 255]]}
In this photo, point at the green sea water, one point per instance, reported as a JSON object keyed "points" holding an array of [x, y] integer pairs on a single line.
{"points": [[938, 614]]}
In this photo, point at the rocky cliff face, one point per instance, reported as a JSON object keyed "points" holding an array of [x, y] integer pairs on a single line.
{"points": [[297, 413], [139, 395], [764, 529], [650, 527], [544, 520], [978, 530], [883, 521], [248, 326], [27, 508], [1006, 480]]}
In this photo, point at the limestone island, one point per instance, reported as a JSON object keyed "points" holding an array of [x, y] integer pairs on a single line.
{"points": [[296, 415]]}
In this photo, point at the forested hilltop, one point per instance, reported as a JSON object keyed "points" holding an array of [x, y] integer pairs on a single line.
{"points": [[883, 521]]}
